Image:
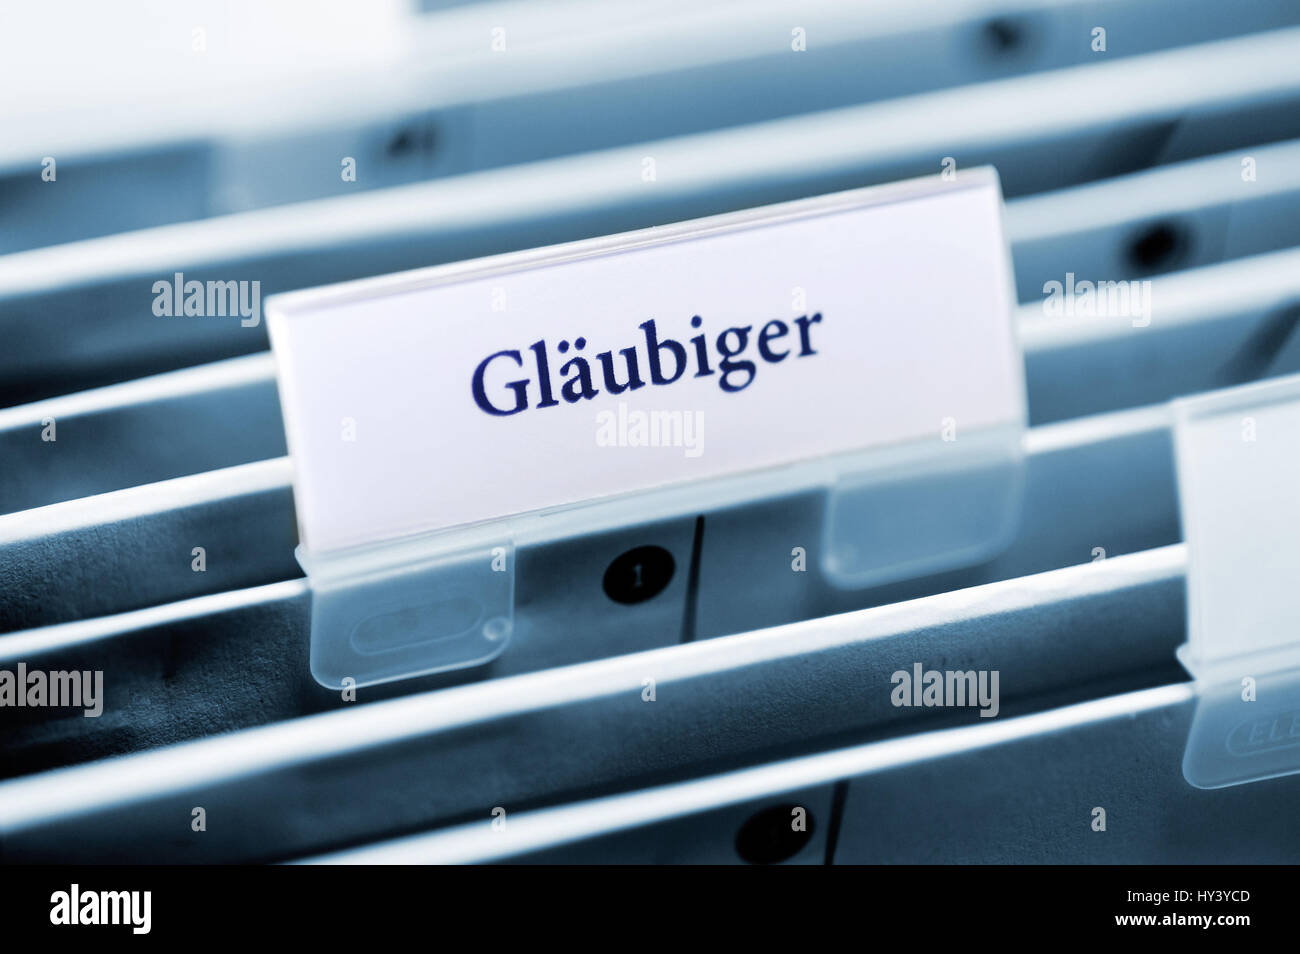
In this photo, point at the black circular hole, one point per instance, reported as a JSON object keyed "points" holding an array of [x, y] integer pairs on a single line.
{"points": [[1004, 36], [402, 144], [772, 835], [639, 574], [409, 141], [1158, 247]]}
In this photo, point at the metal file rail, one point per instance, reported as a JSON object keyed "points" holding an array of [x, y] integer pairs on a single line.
{"points": [[1051, 130], [381, 769], [564, 89], [1104, 482], [1021, 792], [227, 413]]}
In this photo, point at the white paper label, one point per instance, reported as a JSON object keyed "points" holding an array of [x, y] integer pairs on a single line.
{"points": [[470, 392], [1238, 470]]}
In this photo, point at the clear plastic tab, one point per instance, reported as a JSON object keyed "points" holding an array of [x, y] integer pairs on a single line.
{"points": [[924, 507], [425, 605], [1238, 457]]}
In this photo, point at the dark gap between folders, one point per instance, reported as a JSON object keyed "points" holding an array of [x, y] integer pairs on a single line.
{"points": [[693, 582]]}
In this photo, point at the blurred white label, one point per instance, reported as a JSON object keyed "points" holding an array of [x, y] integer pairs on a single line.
{"points": [[1238, 470], [470, 392]]}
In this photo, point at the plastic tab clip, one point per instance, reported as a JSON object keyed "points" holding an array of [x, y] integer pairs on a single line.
{"points": [[1238, 458], [416, 606], [860, 344]]}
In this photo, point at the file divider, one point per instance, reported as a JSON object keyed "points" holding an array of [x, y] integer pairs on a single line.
{"points": [[1238, 458]]}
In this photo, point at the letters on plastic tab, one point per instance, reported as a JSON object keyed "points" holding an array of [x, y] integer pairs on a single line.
{"points": [[476, 391]]}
